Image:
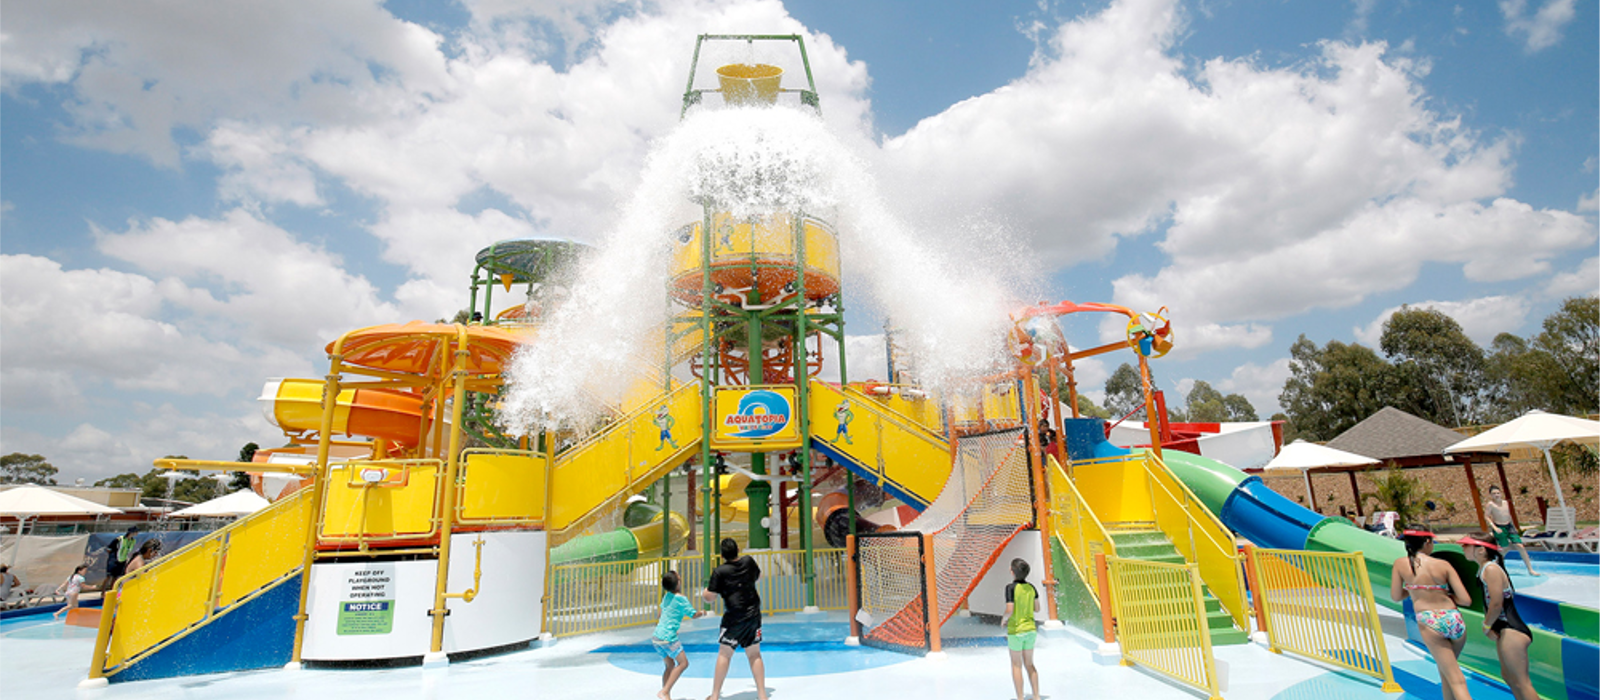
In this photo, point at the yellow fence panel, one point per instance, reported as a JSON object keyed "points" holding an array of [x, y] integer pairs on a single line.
{"points": [[500, 487], [1201, 538], [163, 599], [381, 500], [898, 451], [588, 598], [1075, 524], [1161, 621], [261, 550], [1319, 605]]}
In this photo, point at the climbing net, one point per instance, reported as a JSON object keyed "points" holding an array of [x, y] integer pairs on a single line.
{"points": [[986, 502]]}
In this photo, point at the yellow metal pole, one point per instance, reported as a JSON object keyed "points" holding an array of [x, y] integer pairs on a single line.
{"points": [[102, 637], [330, 401], [1389, 685], [1193, 573], [447, 512]]}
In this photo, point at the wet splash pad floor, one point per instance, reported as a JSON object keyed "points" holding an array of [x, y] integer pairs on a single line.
{"points": [[805, 658]]}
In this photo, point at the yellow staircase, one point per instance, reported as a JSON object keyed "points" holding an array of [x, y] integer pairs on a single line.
{"points": [[898, 453]]}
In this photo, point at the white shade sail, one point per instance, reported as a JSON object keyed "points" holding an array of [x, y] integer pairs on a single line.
{"points": [[32, 501], [1302, 455], [242, 502], [1535, 429], [1538, 430]]}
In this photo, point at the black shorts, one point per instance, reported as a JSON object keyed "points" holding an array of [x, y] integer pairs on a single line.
{"points": [[744, 633]]}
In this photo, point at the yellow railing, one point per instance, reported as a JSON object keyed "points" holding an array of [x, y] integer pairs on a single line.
{"points": [[1200, 537], [1075, 524], [500, 487], [380, 501], [181, 591], [1319, 605], [1161, 621], [597, 597]]}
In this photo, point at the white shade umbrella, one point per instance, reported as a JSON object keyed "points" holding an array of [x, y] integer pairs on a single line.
{"points": [[238, 503], [1535, 429], [1305, 456], [24, 502]]}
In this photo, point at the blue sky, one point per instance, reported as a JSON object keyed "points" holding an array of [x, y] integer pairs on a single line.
{"points": [[196, 198]]}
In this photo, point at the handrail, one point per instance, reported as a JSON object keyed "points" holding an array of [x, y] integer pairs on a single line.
{"points": [[901, 420], [600, 435], [1218, 563], [1076, 530]]}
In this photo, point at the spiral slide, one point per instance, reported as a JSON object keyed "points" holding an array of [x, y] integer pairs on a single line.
{"points": [[1246, 505]]}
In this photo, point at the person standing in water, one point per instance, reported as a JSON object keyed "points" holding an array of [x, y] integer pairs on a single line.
{"points": [[735, 581], [1505, 532], [1501, 622], [1022, 603], [1435, 590]]}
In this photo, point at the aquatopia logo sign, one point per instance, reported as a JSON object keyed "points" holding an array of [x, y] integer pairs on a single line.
{"points": [[761, 413]]}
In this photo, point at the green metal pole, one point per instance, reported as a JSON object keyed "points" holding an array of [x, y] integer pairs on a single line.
{"points": [[803, 380], [666, 515], [706, 428], [759, 493]]}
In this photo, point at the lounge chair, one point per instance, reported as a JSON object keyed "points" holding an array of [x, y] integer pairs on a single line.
{"points": [[1560, 525], [1585, 540]]}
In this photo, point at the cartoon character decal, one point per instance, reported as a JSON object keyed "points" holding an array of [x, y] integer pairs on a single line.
{"points": [[843, 415], [664, 421]]}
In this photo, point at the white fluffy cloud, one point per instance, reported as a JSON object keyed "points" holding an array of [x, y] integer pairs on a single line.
{"points": [[1584, 281], [282, 290], [1540, 30], [1260, 384], [1277, 190], [1481, 319]]}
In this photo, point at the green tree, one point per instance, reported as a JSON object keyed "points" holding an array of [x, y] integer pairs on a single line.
{"points": [[19, 468], [1402, 494], [1205, 404], [1125, 392], [1334, 387], [1444, 368], [193, 489], [1088, 409], [1571, 338]]}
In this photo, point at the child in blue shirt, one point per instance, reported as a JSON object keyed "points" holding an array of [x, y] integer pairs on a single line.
{"points": [[674, 608]]}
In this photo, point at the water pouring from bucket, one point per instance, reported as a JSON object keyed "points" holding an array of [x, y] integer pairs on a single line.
{"points": [[744, 84]]}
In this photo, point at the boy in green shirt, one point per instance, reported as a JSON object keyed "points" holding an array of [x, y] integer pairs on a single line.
{"points": [[1022, 601], [674, 607]]}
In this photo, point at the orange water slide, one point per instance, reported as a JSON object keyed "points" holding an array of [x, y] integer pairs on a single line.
{"points": [[296, 405]]}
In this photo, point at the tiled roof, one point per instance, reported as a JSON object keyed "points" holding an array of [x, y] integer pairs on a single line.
{"points": [[1393, 434]]}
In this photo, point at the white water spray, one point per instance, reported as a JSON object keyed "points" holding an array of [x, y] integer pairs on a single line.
{"points": [[748, 162]]}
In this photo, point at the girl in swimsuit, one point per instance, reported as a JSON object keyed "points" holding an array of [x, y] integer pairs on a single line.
{"points": [[1435, 590], [1500, 619]]}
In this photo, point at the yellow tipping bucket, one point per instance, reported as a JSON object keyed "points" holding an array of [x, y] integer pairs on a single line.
{"points": [[744, 84]]}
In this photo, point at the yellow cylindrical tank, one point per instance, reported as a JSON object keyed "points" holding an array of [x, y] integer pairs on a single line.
{"points": [[745, 84], [758, 255]]}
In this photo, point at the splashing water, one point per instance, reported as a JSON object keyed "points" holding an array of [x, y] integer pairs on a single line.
{"points": [[749, 162]]}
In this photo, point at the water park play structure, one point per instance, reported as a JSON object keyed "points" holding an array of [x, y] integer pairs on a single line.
{"points": [[416, 530]]}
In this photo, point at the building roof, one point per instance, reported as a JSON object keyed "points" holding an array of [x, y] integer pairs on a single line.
{"points": [[1394, 434]]}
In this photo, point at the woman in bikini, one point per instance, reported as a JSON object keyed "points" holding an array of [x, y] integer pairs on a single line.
{"points": [[1435, 590], [1500, 619]]}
